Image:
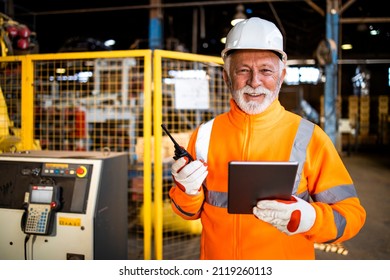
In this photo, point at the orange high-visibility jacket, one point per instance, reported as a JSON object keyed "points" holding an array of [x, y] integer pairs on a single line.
{"points": [[274, 135]]}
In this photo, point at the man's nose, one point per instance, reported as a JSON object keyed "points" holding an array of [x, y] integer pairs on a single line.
{"points": [[255, 79]]}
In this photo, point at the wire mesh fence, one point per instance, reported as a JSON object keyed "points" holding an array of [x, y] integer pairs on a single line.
{"points": [[98, 101], [10, 105], [192, 92]]}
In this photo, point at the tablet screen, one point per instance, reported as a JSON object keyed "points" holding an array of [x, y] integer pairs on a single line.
{"points": [[251, 181]]}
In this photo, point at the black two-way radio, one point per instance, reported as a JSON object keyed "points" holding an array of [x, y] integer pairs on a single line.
{"points": [[179, 150]]}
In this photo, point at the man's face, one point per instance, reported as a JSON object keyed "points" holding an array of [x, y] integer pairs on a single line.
{"points": [[254, 78]]}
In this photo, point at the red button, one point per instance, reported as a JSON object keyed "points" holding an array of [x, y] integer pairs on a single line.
{"points": [[81, 171]]}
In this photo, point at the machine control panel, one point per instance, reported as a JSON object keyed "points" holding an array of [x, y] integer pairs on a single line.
{"points": [[50, 200], [64, 170], [42, 203]]}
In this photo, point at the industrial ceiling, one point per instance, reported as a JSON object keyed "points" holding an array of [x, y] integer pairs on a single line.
{"points": [[197, 26]]}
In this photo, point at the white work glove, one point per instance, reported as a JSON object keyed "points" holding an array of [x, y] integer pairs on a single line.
{"points": [[189, 176], [289, 216]]}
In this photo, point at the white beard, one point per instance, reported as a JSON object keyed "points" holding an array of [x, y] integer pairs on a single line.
{"points": [[254, 107]]}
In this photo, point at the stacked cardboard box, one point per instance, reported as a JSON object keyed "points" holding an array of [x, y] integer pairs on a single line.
{"points": [[364, 116], [353, 110], [322, 109]]}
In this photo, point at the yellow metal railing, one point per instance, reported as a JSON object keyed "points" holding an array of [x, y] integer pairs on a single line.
{"points": [[54, 105], [174, 237]]}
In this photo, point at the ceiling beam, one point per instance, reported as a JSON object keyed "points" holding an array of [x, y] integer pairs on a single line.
{"points": [[154, 6], [365, 20]]}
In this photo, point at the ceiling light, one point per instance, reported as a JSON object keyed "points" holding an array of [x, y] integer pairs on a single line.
{"points": [[109, 43], [239, 16], [374, 32], [346, 46]]}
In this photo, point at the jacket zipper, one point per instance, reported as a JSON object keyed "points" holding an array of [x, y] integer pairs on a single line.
{"points": [[245, 155]]}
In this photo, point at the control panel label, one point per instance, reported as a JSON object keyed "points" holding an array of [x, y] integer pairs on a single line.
{"points": [[73, 222]]}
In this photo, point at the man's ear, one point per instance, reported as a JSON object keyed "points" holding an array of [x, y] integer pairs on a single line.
{"points": [[225, 76], [284, 71], [282, 76]]}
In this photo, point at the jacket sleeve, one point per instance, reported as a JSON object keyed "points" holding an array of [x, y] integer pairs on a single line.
{"points": [[339, 214], [187, 206]]}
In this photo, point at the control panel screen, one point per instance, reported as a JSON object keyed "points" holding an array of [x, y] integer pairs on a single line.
{"points": [[41, 194]]}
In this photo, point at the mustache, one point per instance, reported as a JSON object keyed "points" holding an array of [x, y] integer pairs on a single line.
{"points": [[255, 91]]}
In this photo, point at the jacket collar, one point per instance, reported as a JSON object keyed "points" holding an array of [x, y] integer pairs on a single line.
{"points": [[270, 117]]}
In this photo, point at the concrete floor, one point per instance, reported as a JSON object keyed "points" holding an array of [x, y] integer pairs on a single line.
{"points": [[370, 170]]}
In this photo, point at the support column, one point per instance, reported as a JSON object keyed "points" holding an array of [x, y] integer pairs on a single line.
{"points": [[155, 26], [330, 96]]}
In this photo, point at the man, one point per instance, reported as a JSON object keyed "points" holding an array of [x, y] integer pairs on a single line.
{"points": [[324, 206]]}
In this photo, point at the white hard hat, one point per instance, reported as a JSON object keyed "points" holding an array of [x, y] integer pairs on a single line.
{"points": [[255, 33]]}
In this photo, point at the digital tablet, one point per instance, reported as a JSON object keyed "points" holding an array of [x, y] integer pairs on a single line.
{"points": [[251, 181]]}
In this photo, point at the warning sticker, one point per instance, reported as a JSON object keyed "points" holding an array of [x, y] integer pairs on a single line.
{"points": [[73, 222]]}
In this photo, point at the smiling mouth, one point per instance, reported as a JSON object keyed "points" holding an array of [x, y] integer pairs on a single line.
{"points": [[255, 94]]}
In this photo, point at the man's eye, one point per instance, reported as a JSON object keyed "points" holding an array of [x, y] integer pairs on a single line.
{"points": [[242, 71], [266, 72]]}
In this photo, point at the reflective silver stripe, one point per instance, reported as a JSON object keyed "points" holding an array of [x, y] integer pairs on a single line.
{"points": [[340, 225], [298, 151], [304, 195], [218, 199], [203, 140], [336, 194]]}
